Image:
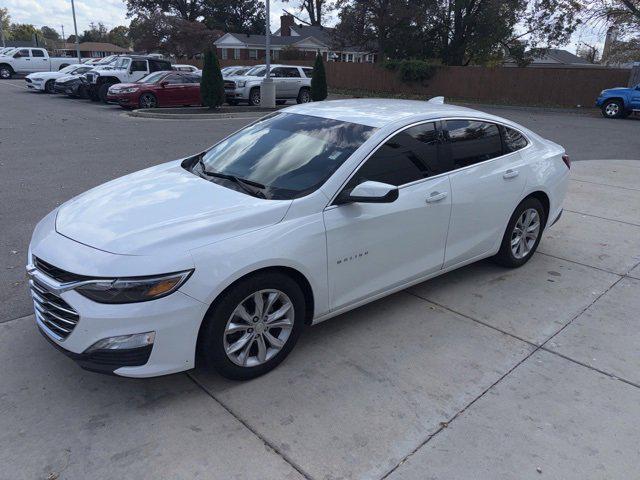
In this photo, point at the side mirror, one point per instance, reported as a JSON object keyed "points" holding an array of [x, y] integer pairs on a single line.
{"points": [[164, 83], [370, 192]]}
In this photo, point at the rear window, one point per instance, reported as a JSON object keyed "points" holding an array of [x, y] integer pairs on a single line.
{"points": [[513, 140], [472, 141]]}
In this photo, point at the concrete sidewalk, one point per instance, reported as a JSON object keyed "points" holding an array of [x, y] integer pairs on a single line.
{"points": [[483, 373]]}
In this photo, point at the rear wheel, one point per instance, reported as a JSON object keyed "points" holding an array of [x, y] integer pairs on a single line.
{"points": [[48, 87], [613, 109], [148, 100], [523, 234], [252, 326], [304, 96]]}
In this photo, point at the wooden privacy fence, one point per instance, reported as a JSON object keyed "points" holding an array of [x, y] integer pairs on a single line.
{"points": [[553, 86]]}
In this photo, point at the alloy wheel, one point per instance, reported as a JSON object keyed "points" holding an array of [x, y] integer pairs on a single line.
{"points": [[5, 73], [525, 233], [612, 109], [258, 328], [148, 101], [304, 96], [255, 97]]}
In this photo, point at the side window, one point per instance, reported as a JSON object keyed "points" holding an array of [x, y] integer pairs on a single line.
{"points": [[139, 66], [173, 79], [277, 72], [410, 155], [24, 52], [37, 52], [472, 141], [291, 72], [512, 140], [308, 72]]}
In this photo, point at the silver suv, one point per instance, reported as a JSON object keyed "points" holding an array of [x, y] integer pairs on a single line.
{"points": [[292, 82]]}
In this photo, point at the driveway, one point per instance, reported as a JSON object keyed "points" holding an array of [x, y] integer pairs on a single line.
{"points": [[482, 373]]}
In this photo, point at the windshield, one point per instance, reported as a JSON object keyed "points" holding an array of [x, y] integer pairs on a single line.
{"points": [[152, 77], [9, 51], [290, 154], [107, 60], [68, 69], [122, 63], [258, 71]]}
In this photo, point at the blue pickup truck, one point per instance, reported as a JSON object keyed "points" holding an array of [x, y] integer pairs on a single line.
{"points": [[619, 102]]}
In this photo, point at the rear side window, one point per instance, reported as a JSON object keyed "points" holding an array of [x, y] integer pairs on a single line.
{"points": [[308, 72], [472, 141], [291, 72], [411, 155], [513, 140], [37, 53], [158, 65], [139, 66]]}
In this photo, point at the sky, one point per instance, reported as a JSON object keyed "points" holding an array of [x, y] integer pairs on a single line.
{"points": [[57, 13]]}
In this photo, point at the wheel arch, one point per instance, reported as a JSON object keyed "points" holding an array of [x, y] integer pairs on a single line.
{"points": [[64, 65], [8, 65], [543, 198]]}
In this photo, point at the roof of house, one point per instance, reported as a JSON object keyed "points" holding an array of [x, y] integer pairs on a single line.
{"points": [[556, 55], [95, 47]]}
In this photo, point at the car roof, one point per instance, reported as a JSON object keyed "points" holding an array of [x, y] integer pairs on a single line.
{"points": [[378, 112]]}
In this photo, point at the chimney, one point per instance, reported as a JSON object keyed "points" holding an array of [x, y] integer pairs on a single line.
{"points": [[286, 22]]}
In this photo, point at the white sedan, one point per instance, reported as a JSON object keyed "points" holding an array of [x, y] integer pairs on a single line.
{"points": [[45, 81], [223, 257]]}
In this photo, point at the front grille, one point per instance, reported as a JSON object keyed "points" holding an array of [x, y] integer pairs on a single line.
{"points": [[89, 77], [56, 273], [52, 312], [230, 85]]}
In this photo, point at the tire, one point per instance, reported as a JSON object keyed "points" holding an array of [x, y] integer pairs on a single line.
{"points": [[102, 92], [148, 100], [613, 109], [215, 340], [6, 72], [254, 97], [304, 96], [93, 96], [513, 256], [83, 93], [48, 87]]}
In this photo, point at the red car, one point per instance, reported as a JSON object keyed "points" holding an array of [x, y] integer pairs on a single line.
{"points": [[158, 89]]}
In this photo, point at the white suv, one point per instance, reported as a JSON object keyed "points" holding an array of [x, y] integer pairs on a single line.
{"points": [[292, 82]]}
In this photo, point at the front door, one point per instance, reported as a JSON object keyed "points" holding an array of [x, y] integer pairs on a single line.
{"points": [[137, 70], [487, 182], [373, 247], [23, 63], [635, 98]]}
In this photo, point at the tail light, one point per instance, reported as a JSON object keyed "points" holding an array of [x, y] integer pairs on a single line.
{"points": [[566, 160]]}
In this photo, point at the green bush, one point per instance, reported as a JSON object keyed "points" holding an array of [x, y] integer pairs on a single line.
{"points": [[411, 70], [211, 83], [318, 81]]}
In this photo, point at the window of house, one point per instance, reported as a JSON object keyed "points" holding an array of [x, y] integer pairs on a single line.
{"points": [[236, 54], [225, 54], [275, 54], [472, 141], [512, 140], [350, 57], [411, 155], [253, 54]]}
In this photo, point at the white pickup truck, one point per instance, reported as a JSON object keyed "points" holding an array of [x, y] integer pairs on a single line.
{"points": [[31, 60]]}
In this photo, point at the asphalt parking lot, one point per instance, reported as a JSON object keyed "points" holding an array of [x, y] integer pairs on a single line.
{"points": [[483, 373]]}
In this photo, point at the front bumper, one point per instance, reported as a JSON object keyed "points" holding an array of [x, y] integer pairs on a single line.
{"points": [[239, 93], [123, 99], [175, 319], [35, 85]]}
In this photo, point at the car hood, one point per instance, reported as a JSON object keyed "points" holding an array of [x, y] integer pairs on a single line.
{"points": [[122, 86], [163, 209], [245, 78], [67, 78], [46, 75], [616, 89]]}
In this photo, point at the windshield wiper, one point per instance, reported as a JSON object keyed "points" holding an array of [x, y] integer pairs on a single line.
{"points": [[253, 188]]}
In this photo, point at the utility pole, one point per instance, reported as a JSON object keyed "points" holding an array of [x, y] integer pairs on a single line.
{"points": [[64, 39], [75, 28], [268, 88]]}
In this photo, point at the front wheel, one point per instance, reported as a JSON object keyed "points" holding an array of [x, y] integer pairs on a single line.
{"points": [[102, 92], [613, 109], [254, 97], [148, 100], [5, 72], [252, 326], [48, 87], [523, 234]]}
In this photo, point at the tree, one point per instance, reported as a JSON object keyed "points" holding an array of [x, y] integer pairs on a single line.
{"points": [[119, 36], [189, 10], [211, 83], [616, 12], [96, 33], [315, 9], [5, 22], [624, 51], [22, 32], [588, 52], [318, 81], [241, 16], [50, 33]]}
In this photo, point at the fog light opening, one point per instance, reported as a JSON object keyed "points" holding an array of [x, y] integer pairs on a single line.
{"points": [[124, 342]]}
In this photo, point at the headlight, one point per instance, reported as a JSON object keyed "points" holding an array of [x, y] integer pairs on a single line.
{"points": [[130, 290], [128, 90], [241, 83], [602, 93], [36, 79]]}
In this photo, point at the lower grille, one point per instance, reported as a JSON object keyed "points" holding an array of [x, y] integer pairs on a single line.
{"points": [[53, 314], [230, 85]]}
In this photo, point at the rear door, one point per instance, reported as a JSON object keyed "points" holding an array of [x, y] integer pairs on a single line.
{"points": [[278, 76], [293, 81], [39, 60], [487, 182], [171, 90], [373, 247]]}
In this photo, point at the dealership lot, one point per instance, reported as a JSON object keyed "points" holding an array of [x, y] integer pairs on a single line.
{"points": [[482, 373]]}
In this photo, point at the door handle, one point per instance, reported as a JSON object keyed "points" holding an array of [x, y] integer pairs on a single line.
{"points": [[510, 174], [436, 197]]}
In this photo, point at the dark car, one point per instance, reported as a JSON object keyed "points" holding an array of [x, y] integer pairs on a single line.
{"points": [[75, 86], [158, 89]]}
